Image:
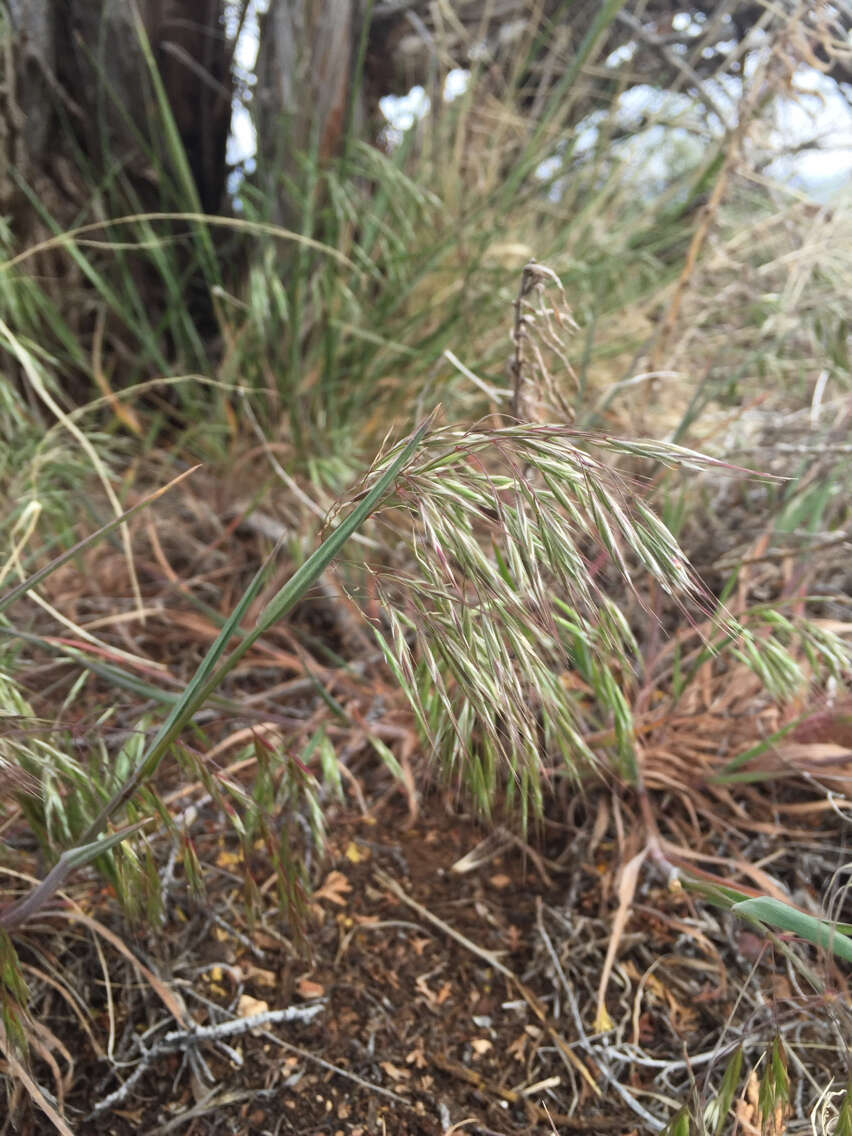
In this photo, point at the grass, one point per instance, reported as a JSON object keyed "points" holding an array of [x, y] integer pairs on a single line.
{"points": [[521, 575]]}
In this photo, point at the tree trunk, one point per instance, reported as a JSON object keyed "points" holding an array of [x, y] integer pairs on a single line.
{"points": [[111, 108], [306, 89], [78, 105]]}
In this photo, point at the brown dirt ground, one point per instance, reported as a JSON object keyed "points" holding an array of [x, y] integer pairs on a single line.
{"points": [[417, 1032]]}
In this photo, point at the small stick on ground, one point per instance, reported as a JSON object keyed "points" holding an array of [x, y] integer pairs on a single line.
{"points": [[177, 1040]]}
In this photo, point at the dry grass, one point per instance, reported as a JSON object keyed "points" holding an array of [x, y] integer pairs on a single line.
{"points": [[618, 636]]}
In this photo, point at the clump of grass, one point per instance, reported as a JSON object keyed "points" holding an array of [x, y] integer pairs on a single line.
{"points": [[526, 546], [506, 626], [332, 329], [508, 634]]}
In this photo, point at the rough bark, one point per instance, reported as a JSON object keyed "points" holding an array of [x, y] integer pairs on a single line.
{"points": [[77, 104], [305, 84], [83, 137]]}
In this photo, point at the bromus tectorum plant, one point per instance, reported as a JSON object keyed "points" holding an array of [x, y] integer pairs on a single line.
{"points": [[508, 632], [517, 618], [507, 625], [520, 652]]}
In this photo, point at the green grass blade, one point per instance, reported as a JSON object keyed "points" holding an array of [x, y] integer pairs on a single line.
{"points": [[208, 676], [817, 931]]}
